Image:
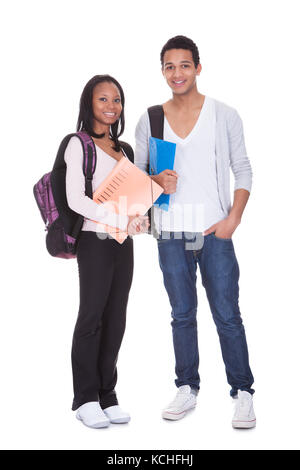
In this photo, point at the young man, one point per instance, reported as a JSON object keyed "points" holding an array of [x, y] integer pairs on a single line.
{"points": [[199, 224]]}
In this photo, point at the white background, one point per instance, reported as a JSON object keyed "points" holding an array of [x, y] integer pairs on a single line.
{"points": [[249, 51]]}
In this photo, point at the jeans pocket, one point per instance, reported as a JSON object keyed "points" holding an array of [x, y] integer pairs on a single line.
{"points": [[223, 239], [162, 240]]}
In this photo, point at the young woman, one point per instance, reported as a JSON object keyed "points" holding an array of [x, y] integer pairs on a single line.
{"points": [[105, 266]]}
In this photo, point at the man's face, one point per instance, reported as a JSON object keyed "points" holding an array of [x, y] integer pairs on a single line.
{"points": [[179, 70]]}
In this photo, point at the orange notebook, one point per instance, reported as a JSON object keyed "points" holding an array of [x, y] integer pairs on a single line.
{"points": [[129, 191]]}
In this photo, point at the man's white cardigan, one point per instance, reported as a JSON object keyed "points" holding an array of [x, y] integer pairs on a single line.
{"points": [[230, 151]]}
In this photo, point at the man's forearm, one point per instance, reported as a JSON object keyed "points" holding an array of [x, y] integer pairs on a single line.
{"points": [[241, 197]]}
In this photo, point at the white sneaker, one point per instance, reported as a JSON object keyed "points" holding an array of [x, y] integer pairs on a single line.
{"points": [[92, 415], [184, 401], [116, 415], [244, 416]]}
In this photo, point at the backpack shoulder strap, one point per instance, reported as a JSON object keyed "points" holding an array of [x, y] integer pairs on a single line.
{"points": [[89, 160], [128, 150], [72, 221], [88, 168], [89, 152], [59, 160], [156, 117]]}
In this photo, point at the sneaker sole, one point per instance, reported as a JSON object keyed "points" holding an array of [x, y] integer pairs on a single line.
{"points": [[176, 416], [244, 424], [100, 424]]}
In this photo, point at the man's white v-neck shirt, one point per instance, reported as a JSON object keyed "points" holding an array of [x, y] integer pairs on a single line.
{"points": [[195, 206]]}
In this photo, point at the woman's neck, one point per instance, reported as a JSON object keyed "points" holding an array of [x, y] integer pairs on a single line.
{"points": [[101, 129]]}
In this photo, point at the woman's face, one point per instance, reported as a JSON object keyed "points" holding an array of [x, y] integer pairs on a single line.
{"points": [[107, 105]]}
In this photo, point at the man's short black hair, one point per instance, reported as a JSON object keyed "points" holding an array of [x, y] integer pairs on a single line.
{"points": [[181, 42]]}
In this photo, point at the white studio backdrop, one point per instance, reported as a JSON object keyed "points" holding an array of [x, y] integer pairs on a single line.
{"points": [[249, 55]]}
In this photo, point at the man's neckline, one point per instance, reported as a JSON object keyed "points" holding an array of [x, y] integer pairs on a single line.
{"points": [[189, 135]]}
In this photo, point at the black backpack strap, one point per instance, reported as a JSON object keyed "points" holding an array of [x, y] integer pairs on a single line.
{"points": [[127, 149], [156, 117], [59, 161], [89, 158], [89, 161], [72, 221], [88, 168]]}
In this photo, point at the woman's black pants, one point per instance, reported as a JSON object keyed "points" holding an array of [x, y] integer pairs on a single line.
{"points": [[105, 276]]}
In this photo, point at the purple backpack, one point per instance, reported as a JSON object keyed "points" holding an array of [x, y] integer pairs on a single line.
{"points": [[63, 225]]}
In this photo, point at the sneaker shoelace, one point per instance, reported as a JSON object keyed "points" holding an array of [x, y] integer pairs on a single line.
{"points": [[243, 407], [179, 400]]}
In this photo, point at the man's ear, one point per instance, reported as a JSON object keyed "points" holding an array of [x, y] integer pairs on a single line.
{"points": [[198, 69]]}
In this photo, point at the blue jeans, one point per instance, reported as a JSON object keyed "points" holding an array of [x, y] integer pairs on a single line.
{"points": [[178, 259]]}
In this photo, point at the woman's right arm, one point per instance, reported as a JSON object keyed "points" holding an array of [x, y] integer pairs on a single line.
{"points": [[75, 190]]}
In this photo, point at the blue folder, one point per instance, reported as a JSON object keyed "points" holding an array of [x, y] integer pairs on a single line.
{"points": [[162, 156]]}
